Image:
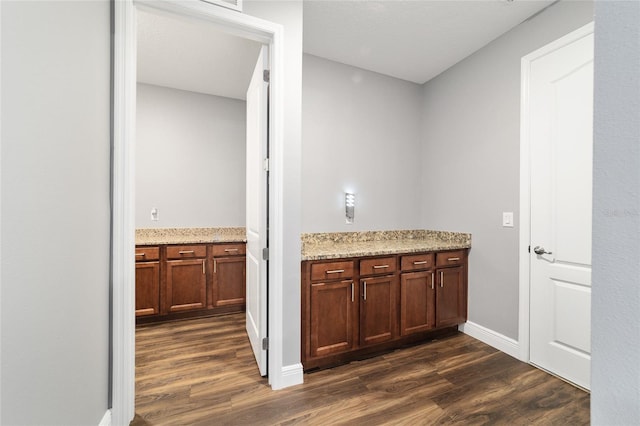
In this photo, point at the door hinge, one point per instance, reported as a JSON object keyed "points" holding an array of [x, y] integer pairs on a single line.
{"points": [[265, 253], [266, 76], [265, 164], [265, 344]]}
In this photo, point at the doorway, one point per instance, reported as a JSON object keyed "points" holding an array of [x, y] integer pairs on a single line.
{"points": [[195, 138], [123, 301], [556, 204]]}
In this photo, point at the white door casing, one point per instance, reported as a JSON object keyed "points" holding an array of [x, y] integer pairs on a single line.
{"points": [[558, 132], [124, 80], [256, 208]]}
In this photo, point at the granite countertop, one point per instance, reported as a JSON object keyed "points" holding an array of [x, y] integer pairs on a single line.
{"points": [[356, 244], [156, 236]]}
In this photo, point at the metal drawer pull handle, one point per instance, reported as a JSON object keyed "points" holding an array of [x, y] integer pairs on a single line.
{"points": [[203, 270], [380, 266], [432, 281], [215, 266], [365, 290], [352, 292], [335, 271], [453, 259], [441, 279], [228, 250], [421, 262], [186, 252], [141, 254]]}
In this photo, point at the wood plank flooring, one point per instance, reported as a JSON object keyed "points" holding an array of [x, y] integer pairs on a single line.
{"points": [[202, 372]]}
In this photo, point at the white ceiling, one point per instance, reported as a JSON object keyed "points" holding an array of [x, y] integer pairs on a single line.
{"points": [[412, 40], [192, 55]]}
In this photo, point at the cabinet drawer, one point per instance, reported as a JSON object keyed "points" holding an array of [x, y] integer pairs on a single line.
{"points": [[450, 258], [331, 270], [147, 253], [219, 250], [186, 252], [380, 265], [417, 262]]}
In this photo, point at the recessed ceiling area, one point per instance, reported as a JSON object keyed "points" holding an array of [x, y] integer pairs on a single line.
{"points": [[193, 55], [410, 40]]}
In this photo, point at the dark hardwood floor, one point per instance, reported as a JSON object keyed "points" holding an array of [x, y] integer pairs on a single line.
{"points": [[202, 372]]}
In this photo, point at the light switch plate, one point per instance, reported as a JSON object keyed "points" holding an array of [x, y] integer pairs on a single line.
{"points": [[155, 214], [507, 219]]}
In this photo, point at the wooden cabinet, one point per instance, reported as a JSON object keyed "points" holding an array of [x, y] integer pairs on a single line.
{"points": [[354, 307], [330, 308], [378, 309], [417, 302], [229, 282], [417, 293], [451, 288], [147, 281], [379, 303], [186, 278], [332, 317], [184, 281]]}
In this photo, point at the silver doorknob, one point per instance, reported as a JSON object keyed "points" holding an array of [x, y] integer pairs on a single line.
{"points": [[540, 250]]}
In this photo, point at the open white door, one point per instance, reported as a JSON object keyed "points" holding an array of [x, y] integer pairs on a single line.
{"points": [[561, 131], [257, 207]]}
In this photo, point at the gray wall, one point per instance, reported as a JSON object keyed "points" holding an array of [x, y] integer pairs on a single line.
{"points": [[190, 159], [55, 212], [471, 153], [615, 335], [361, 133], [288, 13]]}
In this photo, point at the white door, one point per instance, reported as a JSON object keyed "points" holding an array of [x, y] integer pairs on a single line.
{"points": [[256, 221], [561, 132]]}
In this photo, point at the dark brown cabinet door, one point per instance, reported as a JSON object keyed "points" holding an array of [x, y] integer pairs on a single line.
{"points": [[229, 281], [451, 307], [186, 285], [332, 311], [147, 288], [378, 309], [417, 302]]}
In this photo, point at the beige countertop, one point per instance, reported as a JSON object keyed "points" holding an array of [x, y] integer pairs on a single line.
{"points": [[156, 236], [357, 244]]}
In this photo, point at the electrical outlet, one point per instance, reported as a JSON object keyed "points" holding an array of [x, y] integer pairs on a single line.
{"points": [[507, 219], [155, 215]]}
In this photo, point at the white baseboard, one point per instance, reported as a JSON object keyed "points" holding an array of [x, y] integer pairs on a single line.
{"points": [[106, 419], [292, 375], [492, 338]]}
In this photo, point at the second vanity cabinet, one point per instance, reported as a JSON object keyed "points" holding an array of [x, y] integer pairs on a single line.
{"points": [[192, 280], [357, 306]]}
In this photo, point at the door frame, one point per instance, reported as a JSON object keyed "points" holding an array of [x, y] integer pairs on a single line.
{"points": [[525, 185], [122, 345]]}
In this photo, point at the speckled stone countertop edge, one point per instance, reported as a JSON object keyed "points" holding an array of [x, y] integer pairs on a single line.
{"points": [[161, 236], [345, 254], [327, 246]]}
